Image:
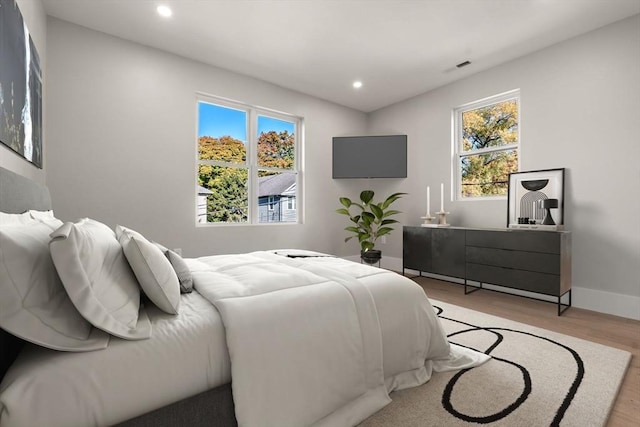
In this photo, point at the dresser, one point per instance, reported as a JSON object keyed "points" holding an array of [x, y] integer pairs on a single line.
{"points": [[532, 261]]}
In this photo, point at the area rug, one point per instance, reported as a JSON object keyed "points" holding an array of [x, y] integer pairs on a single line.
{"points": [[535, 378]]}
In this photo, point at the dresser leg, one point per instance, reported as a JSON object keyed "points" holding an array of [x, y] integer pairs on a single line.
{"points": [[561, 305], [473, 288]]}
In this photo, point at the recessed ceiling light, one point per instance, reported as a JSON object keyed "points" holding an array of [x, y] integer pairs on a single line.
{"points": [[357, 84], [164, 11]]}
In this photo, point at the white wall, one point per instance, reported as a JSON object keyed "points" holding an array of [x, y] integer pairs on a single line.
{"points": [[36, 20], [121, 139], [121, 145], [580, 109]]}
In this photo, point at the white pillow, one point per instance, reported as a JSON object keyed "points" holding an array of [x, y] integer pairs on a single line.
{"points": [[153, 270], [10, 219], [27, 217], [33, 304], [98, 279], [42, 215]]}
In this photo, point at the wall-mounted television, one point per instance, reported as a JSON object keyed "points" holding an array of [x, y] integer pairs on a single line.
{"points": [[370, 156]]}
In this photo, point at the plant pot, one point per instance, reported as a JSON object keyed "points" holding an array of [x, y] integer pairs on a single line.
{"points": [[371, 256]]}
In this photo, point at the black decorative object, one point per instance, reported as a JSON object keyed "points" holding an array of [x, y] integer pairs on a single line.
{"points": [[20, 86], [372, 256], [549, 204], [528, 192], [535, 185]]}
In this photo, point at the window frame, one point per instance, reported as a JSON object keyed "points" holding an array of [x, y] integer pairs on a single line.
{"points": [[251, 163], [456, 141]]}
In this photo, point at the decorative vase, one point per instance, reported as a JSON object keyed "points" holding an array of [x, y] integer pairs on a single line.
{"points": [[371, 256]]}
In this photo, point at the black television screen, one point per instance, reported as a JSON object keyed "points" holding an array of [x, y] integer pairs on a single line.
{"points": [[370, 156]]}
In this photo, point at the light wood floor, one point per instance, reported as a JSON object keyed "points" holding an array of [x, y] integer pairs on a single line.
{"points": [[605, 329]]}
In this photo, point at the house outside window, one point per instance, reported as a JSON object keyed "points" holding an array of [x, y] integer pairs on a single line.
{"points": [[486, 143], [274, 195], [248, 159]]}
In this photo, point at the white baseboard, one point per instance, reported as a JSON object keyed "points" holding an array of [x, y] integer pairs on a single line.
{"points": [[607, 302], [589, 299]]}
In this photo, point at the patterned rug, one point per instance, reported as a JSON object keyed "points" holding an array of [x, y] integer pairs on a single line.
{"points": [[535, 378]]}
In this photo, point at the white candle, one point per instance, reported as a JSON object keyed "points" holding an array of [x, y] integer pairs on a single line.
{"points": [[441, 197], [428, 201]]}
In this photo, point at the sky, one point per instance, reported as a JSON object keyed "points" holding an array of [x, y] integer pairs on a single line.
{"points": [[217, 121]]}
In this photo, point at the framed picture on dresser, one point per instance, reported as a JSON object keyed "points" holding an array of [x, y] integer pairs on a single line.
{"points": [[536, 199]]}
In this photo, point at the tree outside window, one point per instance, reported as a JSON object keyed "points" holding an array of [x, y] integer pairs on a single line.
{"points": [[246, 162], [486, 138]]}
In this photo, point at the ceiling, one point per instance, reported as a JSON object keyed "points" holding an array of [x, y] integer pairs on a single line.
{"points": [[397, 48]]}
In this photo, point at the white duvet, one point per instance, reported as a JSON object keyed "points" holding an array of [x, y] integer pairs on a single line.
{"points": [[308, 344], [320, 341]]}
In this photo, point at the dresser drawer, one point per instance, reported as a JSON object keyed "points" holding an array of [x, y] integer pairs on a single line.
{"points": [[529, 241], [542, 283], [529, 261]]}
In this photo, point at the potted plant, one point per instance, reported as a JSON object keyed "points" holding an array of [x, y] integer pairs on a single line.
{"points": [[371, 221]]}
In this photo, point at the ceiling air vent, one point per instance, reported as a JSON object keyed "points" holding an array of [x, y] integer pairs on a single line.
{"points": [[463, 64]]}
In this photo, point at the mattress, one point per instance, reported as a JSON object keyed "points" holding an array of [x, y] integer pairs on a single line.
{"points": [[185, 355]]}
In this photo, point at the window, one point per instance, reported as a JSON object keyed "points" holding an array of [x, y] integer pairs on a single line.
{"points": [[291, 203], [486, 139], [248, 161]]}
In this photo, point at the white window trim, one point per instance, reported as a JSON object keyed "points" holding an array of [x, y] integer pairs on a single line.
{"points": [[457, 154], [253, 216]]}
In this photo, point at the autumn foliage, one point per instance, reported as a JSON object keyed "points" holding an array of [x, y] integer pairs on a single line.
{"points": [[228, 183], [496, 125]]}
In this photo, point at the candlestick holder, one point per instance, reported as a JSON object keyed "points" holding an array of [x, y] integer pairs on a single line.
{"points": [[442, 218], [427, 220]]}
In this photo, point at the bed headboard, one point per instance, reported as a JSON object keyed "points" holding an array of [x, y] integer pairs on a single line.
{"points": [[18, 194]]}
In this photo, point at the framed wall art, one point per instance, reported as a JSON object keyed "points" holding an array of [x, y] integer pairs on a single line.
{"points": [[20, 86], [536, 199]]}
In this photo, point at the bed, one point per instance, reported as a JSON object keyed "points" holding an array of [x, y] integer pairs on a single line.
{"points": [[386, 338]]}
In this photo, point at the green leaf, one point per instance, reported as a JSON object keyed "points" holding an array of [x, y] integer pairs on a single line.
{"points": [[389, 213], [384, 230], [377, 211], [348, 238], [368, 215], [343, 211], [346, 202], [388, 221], [352, 229], [366, 246], [363, 236], [366, 219], [366, 196], [392, 198]]}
